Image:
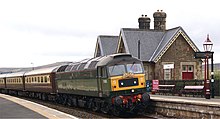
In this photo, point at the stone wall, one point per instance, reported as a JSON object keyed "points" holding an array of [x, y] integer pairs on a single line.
{"points": [[181, 110], [179, 53]]}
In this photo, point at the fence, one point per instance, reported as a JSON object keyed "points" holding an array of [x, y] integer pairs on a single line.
{"points": [[179, 84]]}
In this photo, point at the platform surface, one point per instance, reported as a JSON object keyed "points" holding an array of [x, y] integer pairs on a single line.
{"points": [[183, 99], [9, 109], [16, 108]]}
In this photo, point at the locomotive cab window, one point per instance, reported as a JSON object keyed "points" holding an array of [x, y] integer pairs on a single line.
{"points": [[118, 69], [135, 68]]}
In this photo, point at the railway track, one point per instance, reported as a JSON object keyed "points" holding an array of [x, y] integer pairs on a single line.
{"points": [[86, 113]]}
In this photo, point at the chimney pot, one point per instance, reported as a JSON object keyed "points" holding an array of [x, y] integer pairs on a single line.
{"points": [[144, 22]]}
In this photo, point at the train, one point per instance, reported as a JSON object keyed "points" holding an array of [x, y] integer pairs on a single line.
{"points": [[110, 84]]}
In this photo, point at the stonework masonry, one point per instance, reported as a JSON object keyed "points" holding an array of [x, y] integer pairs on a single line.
{"points": [[180, 53]]}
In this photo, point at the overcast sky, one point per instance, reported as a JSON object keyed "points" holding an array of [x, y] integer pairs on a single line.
{"points": [[47, 31]]}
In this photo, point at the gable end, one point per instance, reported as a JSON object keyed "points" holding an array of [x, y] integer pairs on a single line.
{"points": [[188, 40]]}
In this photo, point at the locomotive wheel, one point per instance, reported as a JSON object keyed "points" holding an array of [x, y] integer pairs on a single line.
{"points": [[94, 107], [105, 109], [69, 102]]}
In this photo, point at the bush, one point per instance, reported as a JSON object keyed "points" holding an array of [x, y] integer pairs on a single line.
{"points": [[217, 75]]}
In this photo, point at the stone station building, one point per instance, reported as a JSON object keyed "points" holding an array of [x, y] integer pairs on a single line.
{"points": [[167, 54]]}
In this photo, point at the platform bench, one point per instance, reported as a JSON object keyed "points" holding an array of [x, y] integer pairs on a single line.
{"points": [[194, 90], [166, 89]]}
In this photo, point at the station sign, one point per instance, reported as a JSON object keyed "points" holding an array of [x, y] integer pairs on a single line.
{"points": [[168, 66], [203, 55]]}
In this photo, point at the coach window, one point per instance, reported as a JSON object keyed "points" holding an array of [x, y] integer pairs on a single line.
{"points": [[38, 79], [48, 77], [35, 79], [42, 79], [45, 79]]}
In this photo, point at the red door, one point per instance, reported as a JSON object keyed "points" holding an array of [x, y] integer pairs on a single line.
{"points": [[187, 72]]}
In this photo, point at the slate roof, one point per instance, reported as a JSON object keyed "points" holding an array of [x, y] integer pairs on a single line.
{"points": [[149, 40], [152, 42], [165, 39], [107, 44]]}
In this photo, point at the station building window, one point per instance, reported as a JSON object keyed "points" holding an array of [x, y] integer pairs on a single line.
{"points": [[167, 74]]}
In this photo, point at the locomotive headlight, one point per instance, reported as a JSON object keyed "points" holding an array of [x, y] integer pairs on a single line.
{"points": [[135, 82], [132, 90]]}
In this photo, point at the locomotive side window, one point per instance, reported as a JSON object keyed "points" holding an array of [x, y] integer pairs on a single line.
{"points": [[103, 72]]}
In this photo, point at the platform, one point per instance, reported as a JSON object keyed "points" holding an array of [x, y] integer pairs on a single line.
{"points": [[185, 107], [13, 107], [182, 99]]}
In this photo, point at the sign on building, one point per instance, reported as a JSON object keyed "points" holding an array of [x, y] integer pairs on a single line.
{"points": [[168, 66]]}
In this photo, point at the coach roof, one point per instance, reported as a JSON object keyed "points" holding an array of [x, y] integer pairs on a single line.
{"points": [[42, 71]]}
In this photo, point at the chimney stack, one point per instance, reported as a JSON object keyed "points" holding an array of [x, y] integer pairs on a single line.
{"points": [[160, 20], [144, 22]]}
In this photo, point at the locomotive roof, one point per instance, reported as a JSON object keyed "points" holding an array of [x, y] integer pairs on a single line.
{"points": [[94, 62], [109, 58], [42, 71]]}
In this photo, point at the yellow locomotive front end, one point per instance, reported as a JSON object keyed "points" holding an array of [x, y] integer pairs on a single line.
{"points": [[128, 81], [128, 86]]}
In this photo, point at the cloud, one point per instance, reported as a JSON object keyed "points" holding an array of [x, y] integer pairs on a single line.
{"points": [[46, 31]]}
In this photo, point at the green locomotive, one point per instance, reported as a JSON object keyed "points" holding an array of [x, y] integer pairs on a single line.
{"points": [[114, 82]]}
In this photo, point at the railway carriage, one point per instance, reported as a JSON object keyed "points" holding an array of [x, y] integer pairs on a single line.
{"points": [[2, 81], [14, 82], [40, 82]]}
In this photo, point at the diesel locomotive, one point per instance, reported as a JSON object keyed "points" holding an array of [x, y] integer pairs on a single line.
{"points": [[113, 83]]}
